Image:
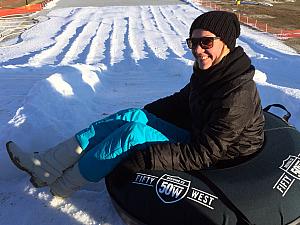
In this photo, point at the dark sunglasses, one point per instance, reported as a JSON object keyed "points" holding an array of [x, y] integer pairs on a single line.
{"points": [[204, 42]]}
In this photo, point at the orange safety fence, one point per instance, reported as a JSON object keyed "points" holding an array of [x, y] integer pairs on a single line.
{"points": [[21, 10], [289, 34], [30, 8], [264, 27]]}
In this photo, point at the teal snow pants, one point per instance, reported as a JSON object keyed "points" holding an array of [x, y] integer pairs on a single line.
{"points": [[106, 142]]}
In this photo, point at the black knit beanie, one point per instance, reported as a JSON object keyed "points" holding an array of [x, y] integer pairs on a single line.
{"points": [[221, 23]]}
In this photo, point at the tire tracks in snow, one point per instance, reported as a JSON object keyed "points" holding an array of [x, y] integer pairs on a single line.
{"points": [[117, 39], [63, 41], [97, 49], [152, 35], [136, 34], [171, 37], [82, 41]]}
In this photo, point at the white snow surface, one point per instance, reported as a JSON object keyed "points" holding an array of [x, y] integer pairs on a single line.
{"points": [[79, 65]]}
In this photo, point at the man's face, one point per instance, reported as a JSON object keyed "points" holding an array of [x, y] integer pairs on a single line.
{"points": [[207, 57]]}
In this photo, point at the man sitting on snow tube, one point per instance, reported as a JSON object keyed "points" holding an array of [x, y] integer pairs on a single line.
{"points": [[261, 189], [216, 116]]}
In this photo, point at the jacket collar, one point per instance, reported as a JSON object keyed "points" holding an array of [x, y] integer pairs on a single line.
{"points": [[233, 70]]}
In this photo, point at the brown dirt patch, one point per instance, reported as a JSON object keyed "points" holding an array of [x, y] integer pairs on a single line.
{"points": [[283, 14]]}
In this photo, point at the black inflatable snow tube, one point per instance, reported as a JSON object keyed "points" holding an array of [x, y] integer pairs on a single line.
{"points": [[263, 190]]}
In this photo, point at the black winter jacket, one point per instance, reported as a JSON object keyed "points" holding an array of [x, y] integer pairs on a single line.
{"points": [[222, 110]]}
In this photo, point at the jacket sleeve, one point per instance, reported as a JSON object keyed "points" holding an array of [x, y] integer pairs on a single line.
{"points": [[206, 148], [173, 108]]}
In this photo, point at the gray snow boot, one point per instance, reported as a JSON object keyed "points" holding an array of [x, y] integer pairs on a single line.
{"points": [[45, 167], [68, 183]]}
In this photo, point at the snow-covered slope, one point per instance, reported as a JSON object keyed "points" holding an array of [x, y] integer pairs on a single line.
{"points": [[81, 64]]}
